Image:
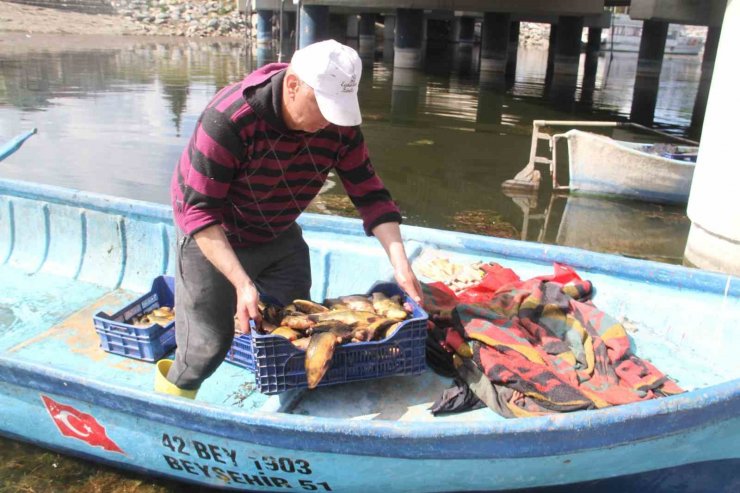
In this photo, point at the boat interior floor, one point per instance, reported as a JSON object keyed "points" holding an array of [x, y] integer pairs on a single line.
{"points": [[47, 320]]}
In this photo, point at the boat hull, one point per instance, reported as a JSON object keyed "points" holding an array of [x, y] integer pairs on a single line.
{"points": [[200, 444], [599, 165], [59, 390]]}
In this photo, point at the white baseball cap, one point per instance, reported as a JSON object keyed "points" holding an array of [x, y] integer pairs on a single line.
{"points": [[333, 71]]}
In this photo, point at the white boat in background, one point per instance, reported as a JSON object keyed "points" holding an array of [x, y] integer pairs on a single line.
{"points": [[625, 35], [648, 172], [603, 166]]}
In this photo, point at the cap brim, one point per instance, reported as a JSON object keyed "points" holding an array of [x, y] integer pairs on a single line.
{"points": [[342, 110]]}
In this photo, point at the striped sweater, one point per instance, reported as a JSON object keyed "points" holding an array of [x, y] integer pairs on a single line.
{"points": [[244, 169]]}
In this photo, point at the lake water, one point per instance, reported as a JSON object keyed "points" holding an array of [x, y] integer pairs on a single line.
{"points": [[114, 113]]}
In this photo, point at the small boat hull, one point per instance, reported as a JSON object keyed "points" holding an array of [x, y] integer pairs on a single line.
{"points": [[600, 165], [65, 255]]}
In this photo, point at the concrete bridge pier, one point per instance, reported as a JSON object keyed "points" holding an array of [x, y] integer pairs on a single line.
{"points": [[552, 42], [594, 40], [264, 26], [491, 94], [389, 37], [405, 92], [463, 29], [353, 27], [567, 45], [649, 65], [494, 42], [714, 238], [338, 27], [409, 38], [707, 69], [366, 39], [463, 59], [513, 48], [588, 84], [314, 24]]}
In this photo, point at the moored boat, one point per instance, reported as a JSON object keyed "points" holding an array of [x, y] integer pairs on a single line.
{"points": [[15, 143], [647, 172], [601, 165], [66, 255], [625, 34]]}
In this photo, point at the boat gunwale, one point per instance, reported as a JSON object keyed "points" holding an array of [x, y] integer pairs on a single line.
{"points": [[555, 434], [674, 276], [620, 144]]}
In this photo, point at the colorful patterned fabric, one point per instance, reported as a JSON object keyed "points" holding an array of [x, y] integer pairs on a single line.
{"points": [[543, 345]]}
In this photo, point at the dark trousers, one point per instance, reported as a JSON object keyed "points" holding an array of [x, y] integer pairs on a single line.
{"points": [[205, 301]]}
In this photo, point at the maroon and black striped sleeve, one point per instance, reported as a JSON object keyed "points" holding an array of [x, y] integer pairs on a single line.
{"points": [[206, 170], [364, 187]]}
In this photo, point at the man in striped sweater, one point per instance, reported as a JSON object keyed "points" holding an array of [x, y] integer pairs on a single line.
{"points": [[260, 153]]}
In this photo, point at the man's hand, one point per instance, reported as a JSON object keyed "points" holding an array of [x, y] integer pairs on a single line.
{"points": [[246, 306], [389, 235], [407, 280], [216, 248]]}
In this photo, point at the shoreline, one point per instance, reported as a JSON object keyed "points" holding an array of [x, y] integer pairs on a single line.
{"points": [[163, 18]]}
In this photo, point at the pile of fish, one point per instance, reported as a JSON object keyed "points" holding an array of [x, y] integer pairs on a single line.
{"points": [[319, 328], [161, 316]]}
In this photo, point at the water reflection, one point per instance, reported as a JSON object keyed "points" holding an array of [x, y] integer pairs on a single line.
{"points": [[120, 115], [608, 225]]}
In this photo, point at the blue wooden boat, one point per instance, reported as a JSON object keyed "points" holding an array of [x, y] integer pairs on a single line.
{"points": [[15, 143], [65, 255]]}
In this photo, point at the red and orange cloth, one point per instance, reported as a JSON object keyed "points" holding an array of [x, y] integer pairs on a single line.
{"points": [[542, 344]]}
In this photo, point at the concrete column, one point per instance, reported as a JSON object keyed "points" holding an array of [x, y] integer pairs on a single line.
{"points": [[552, 42], [647, 79], [463, 29], [264, 54], [707, 69], [338, 27], [588, 85], [714, 238], [408, 39], [513, 48], [568, 45], [406, 90], [264, 26], [353, 26], [652, 47], [491, 96], [494, 42], [367, 36], [389, 35], [594, 39], [314, 24], [462, 58]]}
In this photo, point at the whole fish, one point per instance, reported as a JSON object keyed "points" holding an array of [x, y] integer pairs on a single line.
{"points": [[287, 332], [307, 306], [339, 329], [347, 316], [388, 307], [319, 353], [297, 321], [357, 302]]}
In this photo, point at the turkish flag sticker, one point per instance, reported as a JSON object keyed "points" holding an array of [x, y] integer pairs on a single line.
{"points": [[82, 426]]}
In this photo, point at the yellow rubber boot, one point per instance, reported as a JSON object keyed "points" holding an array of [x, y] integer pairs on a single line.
{"points": [[164, 386]]}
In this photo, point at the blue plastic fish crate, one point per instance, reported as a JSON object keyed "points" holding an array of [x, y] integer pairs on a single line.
{"points": [[119, 336], [279, 366]]}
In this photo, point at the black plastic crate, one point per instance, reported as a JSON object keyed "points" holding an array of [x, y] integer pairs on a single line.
{"points": [[279, 366], [119, 336]]}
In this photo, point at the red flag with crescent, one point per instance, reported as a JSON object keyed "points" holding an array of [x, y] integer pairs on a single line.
{"points": [[82, 426]]}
